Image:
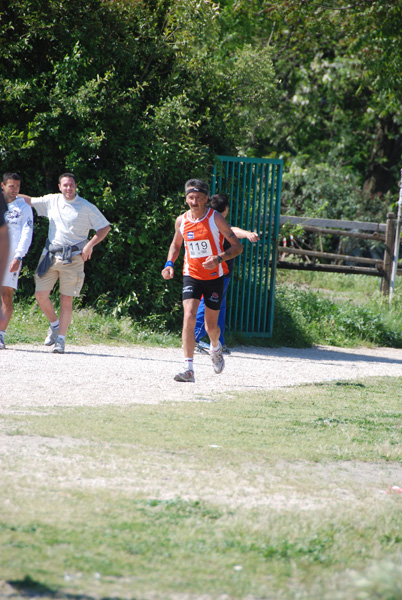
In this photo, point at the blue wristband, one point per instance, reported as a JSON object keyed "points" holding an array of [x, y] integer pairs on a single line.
{"points": [[169, 263]]}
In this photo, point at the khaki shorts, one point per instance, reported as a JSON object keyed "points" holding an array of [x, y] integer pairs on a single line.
{"points": [[71, 277]]}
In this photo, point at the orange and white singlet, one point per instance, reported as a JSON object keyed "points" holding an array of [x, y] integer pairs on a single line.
{"points": [[201, 239]]}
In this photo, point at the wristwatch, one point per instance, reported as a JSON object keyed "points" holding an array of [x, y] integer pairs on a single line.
{"points": [[220, 259], [18, 258]]}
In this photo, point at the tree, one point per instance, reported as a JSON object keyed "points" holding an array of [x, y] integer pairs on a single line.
{"points": [[130, 96], [339, 65]]}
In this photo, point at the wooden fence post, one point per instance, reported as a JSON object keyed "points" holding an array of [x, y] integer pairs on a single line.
{"points": [[388, 253]]}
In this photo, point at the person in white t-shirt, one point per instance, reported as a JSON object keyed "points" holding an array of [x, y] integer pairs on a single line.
{"points": [[19, 219], [71, 218]]}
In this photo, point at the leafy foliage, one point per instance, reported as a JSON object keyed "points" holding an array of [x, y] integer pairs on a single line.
{"points": [[322, 190], [305, 317], [130, 97], [136, 96], [339, 66]]}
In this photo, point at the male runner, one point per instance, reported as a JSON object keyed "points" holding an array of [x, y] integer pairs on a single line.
{"points": [[202, 230]]}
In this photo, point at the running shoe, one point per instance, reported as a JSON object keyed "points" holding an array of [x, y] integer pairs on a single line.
{"points": [[52, 334], [59, 346], [186, 376], [2, 342], [218, 362]]}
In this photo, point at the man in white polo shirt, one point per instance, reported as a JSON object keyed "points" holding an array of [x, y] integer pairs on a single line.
{"points": [[71, 218]]}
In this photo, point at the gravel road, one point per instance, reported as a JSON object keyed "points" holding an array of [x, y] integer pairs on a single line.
{"points": [[97, 375]]}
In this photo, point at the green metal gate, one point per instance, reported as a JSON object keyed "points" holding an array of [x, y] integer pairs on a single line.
{"points": [[254, 187]]}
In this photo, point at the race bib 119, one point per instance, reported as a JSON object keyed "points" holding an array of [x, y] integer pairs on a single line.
{"points": [[199, 249]]}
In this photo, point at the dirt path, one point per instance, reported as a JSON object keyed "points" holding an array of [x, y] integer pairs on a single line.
{"points": [[97, 375]]}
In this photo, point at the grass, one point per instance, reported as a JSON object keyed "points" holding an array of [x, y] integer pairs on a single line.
{"points": [[280, 495], [338, 310], [276, 426], [276, 496], [28, 325]]}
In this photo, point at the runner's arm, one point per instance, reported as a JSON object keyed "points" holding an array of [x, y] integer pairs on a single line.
{"points": [[174, 250]]}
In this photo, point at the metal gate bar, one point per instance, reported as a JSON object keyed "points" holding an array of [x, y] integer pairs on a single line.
{"points": [[254, 187]]}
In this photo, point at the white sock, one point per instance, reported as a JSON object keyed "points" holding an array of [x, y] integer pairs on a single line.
{"points": [[61, 337], [2, 332], [55, 324], [217, 348], [189, 364]]}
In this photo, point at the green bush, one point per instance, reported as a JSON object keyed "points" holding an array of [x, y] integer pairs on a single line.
{"points": [[323, 190], [135, 100], [304, 317]]}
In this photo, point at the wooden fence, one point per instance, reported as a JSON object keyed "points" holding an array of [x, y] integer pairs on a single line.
{"points": [[335, 263]]}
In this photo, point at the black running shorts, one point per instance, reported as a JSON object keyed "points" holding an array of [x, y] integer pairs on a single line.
{"points": [[211, 289]]}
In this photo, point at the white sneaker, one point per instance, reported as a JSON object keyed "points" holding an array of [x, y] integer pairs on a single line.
{"points": [[218, 362], [2, 342], [52, 334], [186, 376], [59, 346]]}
